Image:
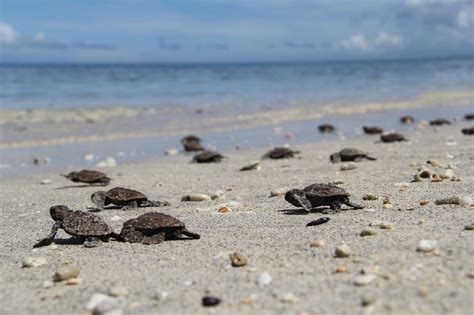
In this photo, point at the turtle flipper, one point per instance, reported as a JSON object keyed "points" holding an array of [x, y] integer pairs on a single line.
{"points": [[154, 239], [151, 203], [347, 202], [371, 158], [304, 202], [191, 234], [48, 239]]}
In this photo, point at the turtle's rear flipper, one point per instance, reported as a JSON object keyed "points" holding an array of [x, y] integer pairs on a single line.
{"points": [[49, 239], [371, 158], [347, 202], [191, 234]]}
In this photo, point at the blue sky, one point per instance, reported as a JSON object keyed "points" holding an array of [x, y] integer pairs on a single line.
{"points": [[232, 30]]}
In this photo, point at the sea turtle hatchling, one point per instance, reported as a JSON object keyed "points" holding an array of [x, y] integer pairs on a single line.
{"points": [[393, 137], [192, 143], [372, 130], [316, 195], [468, 131], [407, 119], [125, 198], [280, 153], [154, 228], [326, 128], [208, 157], [85, 226], [440, 122], [350, 154], [90, 177]]}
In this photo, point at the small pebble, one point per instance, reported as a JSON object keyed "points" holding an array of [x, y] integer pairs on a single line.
{"points": [[210, 301], [33, 262], [363, 280], [341, 269], [424, 202], [277, 192], [342, 251], [264, 279], [370, 197], [368, 232], [238, 260], [367, 300], [196, 197], [218, 195], [101, 304], [89, 157], [66, 273], [426, 246], [171, 152], [224, 210], [469, 227], [383, 225], [466, 201], [108, 162], [318, 243], [47, 284], [116, 218], [161, 296], [45, 182], [446, 174], [118, 291], [252, 298], [255, 165], [348, 166], [289, 298], [73, 281]]}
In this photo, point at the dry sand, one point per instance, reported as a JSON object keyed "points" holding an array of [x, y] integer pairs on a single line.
{"points": [[275, 241]]}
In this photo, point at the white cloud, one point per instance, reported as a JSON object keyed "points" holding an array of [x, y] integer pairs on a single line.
{"points": [[384, 39], [8, 36], [357, 41], [465, 18]]}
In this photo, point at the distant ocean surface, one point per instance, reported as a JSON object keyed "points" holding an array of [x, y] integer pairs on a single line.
{"points": [[241, 86]]}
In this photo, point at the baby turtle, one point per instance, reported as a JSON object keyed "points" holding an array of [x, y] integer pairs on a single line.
{"points": [[326, 128], [208, 157], [372, 130], [407, 119], [468, 131], [90, 177], [192, 143], [154, 228], [280, 153], [316, 195], [440, 122], [393, 137], [469, 116], [85, 226], [350, 154], [123, 197]]}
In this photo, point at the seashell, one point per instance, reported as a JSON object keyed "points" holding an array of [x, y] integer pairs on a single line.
{"points": [[196, 197], [424, 175]]}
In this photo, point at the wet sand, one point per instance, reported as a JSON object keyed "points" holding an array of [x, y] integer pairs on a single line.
{"points": [[266, 229]]}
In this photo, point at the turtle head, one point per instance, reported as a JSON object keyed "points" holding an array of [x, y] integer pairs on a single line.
{"points": [[57, 212], [297, 198], [70, 175], [98, 198], [335, 157]]}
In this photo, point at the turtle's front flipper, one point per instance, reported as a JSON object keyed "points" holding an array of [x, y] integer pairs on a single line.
{"points": [[371, 158], [304, 202], [154, 239], [350, 204], [191, 234], [49, 239]]}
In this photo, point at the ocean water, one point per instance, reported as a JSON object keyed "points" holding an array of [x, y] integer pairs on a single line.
{"points": [[243, 87]]}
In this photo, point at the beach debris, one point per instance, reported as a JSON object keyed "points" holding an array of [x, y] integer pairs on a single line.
{"points": [[440, 122], [280, 153], [218, 195], [196, 197], [372, 130], [89, 157], [341, 269], [161, 296], [426, 246], [368, 232], [90, 177], [466, 201], [289, 298], [171, 152], [318, 244], [348, 166], [319, 221], [469, 116], [124, 198], [252, 298], [350, 154], [154, 228], [66, 273], [387, 201], [453, 200], [342, 251], [277, 192], [208, 157], [191, 143], [238, 260], [363, 280], [382, 225], [316, 195], [33, 262], [87, 227], [326, 128], [264, 279], [102, 304], [210, 301], [469, 227], [45, 182], [254, 165], [224, 210], [424, 202], [73, 281], [434, 163], [370, 197], [118, 291], [407, 119], [392, 137], [468, 131], [108, 162]]}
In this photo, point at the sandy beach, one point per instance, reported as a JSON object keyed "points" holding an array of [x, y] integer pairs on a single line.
{"points": [[384, 274]]}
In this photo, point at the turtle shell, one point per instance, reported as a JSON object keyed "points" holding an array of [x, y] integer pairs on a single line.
{"points": [[193, 146], [88, 176], [208, 156], [407, 119], [119, 194], [469, 116], [325, 191], [79, 223], [351, 153], [371, 130], [280, 153], [190, 138], [155, 220]]}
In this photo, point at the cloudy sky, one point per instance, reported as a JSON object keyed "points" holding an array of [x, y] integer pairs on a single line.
{"points": [[232, 30]]}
